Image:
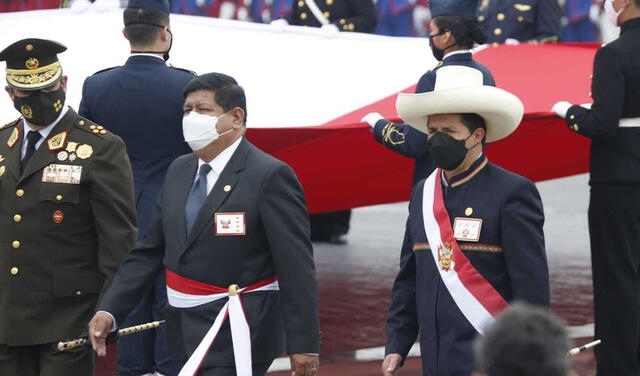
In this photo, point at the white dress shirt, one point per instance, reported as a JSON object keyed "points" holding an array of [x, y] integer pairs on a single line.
{"points": [[456, 53], [217, 165], [43, 132]]}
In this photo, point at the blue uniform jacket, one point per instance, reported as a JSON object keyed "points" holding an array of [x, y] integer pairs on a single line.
{"points": [[410, 142], [523, 20], [510, 254], [141, 102]]}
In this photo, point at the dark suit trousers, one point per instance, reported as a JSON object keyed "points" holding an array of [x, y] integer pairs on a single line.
{"points": [[258, 370], [614, 228], [45, 360]]}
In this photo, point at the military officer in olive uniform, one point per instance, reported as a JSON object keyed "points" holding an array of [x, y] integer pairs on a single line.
{"points": [[334, 15], [514, 21], [67, 216]]}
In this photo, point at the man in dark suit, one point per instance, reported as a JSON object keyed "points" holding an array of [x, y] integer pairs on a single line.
{"points": [[474, 237], [613, 125], [228, 215], [141, 102], [514, 21], [66, 216]]}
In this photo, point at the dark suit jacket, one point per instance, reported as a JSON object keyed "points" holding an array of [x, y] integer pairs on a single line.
{"points": [[141, 102], [410, 142], [510, 255], [64, 240], [276, 243], [615, 155]]}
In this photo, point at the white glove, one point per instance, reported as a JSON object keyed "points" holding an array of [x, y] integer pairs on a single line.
{"points": [[280, 22], [512, 42], [329, 29], [372, 118], [421, 17], [561, 108], [227, 10]]}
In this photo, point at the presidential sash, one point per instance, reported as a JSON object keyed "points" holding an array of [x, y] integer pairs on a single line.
{"points": [[185, 293], [477, 299]]}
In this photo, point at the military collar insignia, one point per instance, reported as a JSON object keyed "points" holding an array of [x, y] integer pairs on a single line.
{"points": [[15, 135], [57, 142]]}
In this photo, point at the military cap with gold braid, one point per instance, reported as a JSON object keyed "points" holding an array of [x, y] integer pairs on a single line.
{"points": [[32, 64]]}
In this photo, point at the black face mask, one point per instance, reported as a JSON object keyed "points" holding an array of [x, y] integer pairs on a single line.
{"points": [[446, 152], [41, 108], [438, 53]]}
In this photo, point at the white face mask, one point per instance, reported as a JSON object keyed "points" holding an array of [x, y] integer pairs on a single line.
{"points": [[611, 13], [200, 130]]}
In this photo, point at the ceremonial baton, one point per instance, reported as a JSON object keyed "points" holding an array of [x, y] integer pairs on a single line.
{"points": [[582, 348], [63, 346]]}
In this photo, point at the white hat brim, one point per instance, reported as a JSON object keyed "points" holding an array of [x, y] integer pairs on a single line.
{"points": [[501, 110]]}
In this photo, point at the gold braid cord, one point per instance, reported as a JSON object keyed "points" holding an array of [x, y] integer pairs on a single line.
{"points": [[63, 346]]}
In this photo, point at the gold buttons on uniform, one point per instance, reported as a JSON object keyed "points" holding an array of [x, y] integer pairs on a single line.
{"points": [[100, 127], [520, 19], [227, 188], [59, 197], [497, 31], [480, 18], [500, 16], [468, 211], [79, 292], [575, 127], [17, 218], [15, 271], [326, 15], [81, 122], [15, 244], [300, 3], [20, 192], [343, 21], [303, 16], [572, 117], [329, 2], [93, 127]]}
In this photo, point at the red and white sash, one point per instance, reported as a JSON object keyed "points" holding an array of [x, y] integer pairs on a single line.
{"points": [[186, 293], [474, 295]]}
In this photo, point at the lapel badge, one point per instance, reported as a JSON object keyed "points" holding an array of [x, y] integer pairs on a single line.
{"points": [[13, 138], [84, 151], [445, 257], [2, 168], [58, 216], [227, 188], [56, 142], [72, 157], [71, 146], [62, 156]]}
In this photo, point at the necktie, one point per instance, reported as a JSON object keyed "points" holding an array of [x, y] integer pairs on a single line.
{"points": [[197, 196], [32, 139]]}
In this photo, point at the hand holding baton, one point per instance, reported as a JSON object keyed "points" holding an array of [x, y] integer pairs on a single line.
{"points": [[63, 346]]}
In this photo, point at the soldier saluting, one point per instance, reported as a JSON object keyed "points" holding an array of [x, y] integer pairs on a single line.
{"points": [[66, 214]]}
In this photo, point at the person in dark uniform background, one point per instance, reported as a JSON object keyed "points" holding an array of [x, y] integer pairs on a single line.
{"points": [[514, 21], [613, 125], [141, 102], [67, 216], [452, 37], [494, 216], [333, 15]]}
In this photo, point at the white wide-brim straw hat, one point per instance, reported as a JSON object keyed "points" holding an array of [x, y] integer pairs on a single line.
{"points": [[460, 90]]}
